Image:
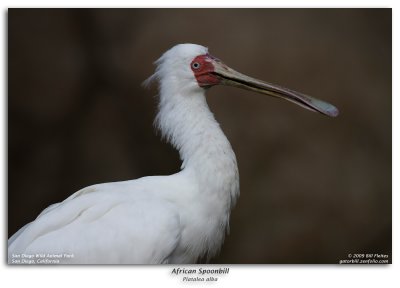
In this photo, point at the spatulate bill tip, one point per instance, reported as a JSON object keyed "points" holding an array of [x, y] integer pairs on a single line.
{"points": [[331, 111], [324, 107]]}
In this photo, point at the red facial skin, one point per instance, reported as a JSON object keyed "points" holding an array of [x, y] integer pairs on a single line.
{"points": [[202, 67]]}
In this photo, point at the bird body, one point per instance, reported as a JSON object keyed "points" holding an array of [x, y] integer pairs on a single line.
{"points": [[123, 222], [159, 219]]}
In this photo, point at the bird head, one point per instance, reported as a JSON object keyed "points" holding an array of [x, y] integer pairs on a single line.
{"points": [[193, 67]]}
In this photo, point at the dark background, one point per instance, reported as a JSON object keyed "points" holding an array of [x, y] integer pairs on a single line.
{"points": [[313, 188]]}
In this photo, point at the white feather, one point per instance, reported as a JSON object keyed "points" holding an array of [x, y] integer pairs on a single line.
{"points": [[158, 219]]}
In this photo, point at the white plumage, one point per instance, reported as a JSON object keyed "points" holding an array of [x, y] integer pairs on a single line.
{"points": [[159, 219]]}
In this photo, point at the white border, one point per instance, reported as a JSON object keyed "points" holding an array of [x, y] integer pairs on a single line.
{"points": [[255, 275]]}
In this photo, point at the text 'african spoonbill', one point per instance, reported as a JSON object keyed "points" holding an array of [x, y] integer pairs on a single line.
{"points": [[159, 219]]}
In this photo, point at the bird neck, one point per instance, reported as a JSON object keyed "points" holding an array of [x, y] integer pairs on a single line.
{"points": [[188, 124]]}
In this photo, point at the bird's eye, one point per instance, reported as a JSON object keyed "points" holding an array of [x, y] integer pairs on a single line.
{"points": [[196, 65]]}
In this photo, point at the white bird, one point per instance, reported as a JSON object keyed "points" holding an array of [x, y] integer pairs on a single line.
{"points": [[159, 219]]}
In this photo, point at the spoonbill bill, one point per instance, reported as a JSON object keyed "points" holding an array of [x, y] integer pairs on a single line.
{"points": [[178, 218]]}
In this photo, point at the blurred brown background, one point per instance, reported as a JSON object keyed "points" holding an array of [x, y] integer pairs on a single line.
{"points": [[313, 189]]}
